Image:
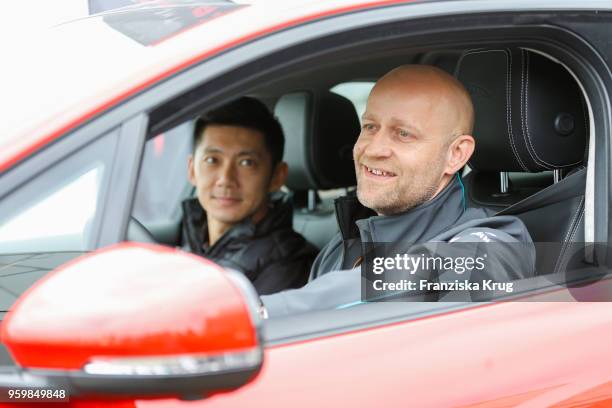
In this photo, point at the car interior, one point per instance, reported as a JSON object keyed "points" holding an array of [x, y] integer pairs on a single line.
{"points": [[531, 131]]}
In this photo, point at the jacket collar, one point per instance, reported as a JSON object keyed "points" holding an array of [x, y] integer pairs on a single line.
{"points": [[279, 216], [420, 223]]}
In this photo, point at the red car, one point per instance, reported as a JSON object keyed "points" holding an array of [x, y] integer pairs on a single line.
{"points": [[93, 143]]}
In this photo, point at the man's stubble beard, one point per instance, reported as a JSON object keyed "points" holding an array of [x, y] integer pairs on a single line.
{"points": [[401, 199]]}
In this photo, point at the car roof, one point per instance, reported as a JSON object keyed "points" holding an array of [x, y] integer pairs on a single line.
{"points": [[56, 81]]}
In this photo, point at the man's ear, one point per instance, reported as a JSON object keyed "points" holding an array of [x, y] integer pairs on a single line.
{"points": [[191, 170], [279, 176], [459, 152]]}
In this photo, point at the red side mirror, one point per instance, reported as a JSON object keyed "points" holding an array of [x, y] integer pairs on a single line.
{"points": [[138, 320]]}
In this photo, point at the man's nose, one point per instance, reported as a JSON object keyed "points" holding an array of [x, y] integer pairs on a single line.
{"points": [[377, 145], [227, 175]]}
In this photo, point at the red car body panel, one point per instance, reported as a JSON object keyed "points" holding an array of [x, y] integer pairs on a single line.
{"points": [[497, 355], [206, 324]]}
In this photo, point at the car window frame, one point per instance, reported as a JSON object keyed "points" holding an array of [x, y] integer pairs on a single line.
{"points": [[330, 322], [35, 168], [115, 196], [98, 156], [586, 65]]}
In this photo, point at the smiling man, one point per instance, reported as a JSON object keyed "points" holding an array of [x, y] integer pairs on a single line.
{"points": [[416, 134], [236, 167], [415, 138]]}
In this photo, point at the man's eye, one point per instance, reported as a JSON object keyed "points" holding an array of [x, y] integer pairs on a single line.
{"points": [[368, 126], [210, 160], [404, 134], [247, 162]]}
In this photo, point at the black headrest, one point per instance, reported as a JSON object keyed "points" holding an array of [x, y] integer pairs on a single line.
{"points": [[320, 131], [530, 114]]}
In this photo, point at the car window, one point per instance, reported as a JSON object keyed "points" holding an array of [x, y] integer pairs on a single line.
{"points": [[57, 209], [45, 219], [356, 92], [163, 176]]}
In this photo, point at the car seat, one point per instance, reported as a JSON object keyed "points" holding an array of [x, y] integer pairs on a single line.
{"points": [[530, 118], [320, 130]]}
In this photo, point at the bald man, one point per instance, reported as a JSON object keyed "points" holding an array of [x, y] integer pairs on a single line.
{"points": [[415, 138]]}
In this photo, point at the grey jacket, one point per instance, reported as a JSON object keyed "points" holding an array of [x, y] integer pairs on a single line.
{"points": [[336, 281]]}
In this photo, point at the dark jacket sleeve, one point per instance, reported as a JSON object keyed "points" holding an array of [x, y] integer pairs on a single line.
{"points": [[287, 266]]}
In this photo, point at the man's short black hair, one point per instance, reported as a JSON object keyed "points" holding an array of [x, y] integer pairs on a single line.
{"points": [[249, 113]]}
